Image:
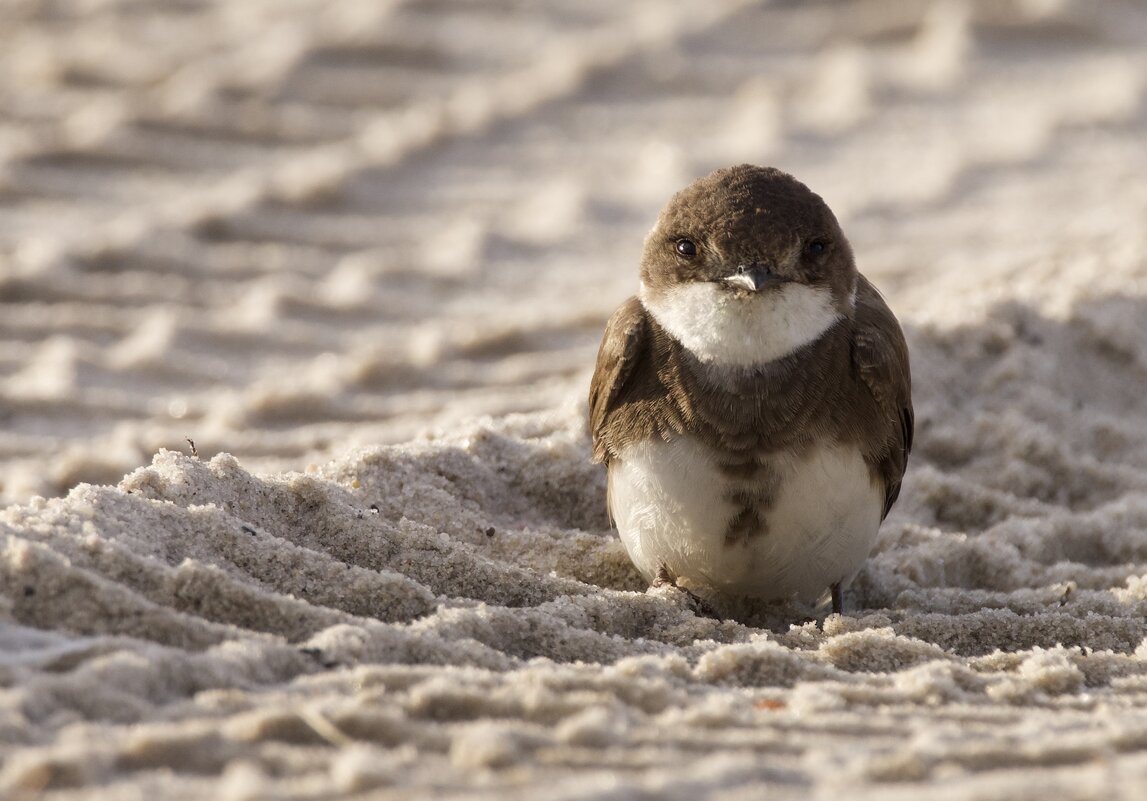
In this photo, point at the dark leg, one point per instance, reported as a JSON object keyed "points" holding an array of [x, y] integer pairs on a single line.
{"points": [[666, 579], [663, 579], [837, 599]]}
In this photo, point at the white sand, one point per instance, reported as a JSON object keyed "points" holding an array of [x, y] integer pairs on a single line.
{"points": [[362, 254]]}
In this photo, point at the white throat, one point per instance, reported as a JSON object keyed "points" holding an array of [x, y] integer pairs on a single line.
{"points": [[725, 330]]}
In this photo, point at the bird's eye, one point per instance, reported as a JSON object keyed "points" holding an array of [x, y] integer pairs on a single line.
{"points": [[816, 247], [686, 247]]}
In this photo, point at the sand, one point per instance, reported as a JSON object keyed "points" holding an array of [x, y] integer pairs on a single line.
{"points": [[362, 255]]}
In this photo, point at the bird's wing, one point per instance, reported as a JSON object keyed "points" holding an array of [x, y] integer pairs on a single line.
{"points": [[880, 357], [622, 347]]}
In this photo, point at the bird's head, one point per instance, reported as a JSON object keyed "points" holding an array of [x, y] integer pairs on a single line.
{"points": [[747, 265]]}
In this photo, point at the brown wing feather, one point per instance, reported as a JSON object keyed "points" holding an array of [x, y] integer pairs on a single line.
{"points": [[880, 356], [623, 345]]}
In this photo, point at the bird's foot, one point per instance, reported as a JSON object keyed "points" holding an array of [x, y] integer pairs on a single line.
{"points": [[837, 598], [666, 579]]}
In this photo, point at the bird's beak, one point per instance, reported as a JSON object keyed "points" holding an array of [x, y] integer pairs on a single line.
{"points": [[753, 277]]}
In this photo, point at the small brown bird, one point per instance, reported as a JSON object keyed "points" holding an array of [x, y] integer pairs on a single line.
{"points": [[752, 403]]}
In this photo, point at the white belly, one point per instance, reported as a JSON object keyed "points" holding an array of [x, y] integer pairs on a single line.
{"points": [[671, 505]]}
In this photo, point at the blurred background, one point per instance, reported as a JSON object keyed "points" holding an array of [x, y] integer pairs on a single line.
{"points": [[286, 228]]}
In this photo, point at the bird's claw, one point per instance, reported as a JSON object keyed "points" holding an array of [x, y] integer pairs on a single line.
{"points": [[666, 579]]}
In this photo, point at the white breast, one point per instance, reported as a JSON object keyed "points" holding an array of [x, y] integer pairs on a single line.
{"points": [[671, 506]]}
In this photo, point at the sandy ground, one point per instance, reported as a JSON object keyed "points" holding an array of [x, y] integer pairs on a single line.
{"points": [[362, 254]]}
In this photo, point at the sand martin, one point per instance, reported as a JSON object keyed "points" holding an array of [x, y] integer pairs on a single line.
{"points": [[753, 402]]}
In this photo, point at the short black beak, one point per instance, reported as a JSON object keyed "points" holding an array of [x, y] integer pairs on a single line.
{"points": [[753, 276]]}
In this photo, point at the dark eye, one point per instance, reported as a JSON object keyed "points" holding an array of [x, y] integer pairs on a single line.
{"points": [[686, 248], [816, 247]]}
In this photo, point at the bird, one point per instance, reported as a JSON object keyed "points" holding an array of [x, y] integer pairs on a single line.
{"points": [[752, 403]]}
